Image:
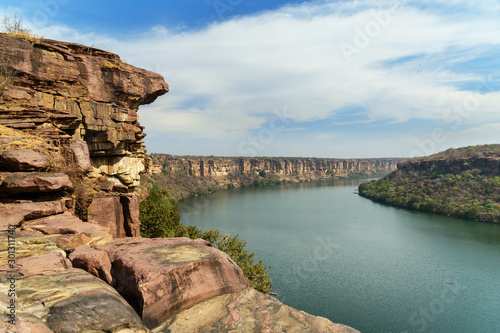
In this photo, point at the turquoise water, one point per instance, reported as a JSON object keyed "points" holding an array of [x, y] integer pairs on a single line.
{"points": [[359, 263]]}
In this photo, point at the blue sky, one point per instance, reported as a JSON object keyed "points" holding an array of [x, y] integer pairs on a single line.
{"points": [[299, 78]]}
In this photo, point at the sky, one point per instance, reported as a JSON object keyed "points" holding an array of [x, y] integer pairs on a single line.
{"points": [[319, 78]]}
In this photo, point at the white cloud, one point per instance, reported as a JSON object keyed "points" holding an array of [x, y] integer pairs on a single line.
{"points": [[227, 78]]}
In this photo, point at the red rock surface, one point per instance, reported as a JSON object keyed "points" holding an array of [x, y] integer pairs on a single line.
{"points": [[108, 212], [67, 91], [120, 214], [13, 214], [23, 160], [96, 262], [66, 223], [132, 224], [34, 182], [81, 154], [160, 277]]}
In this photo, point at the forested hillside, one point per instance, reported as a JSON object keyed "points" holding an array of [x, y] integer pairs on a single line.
{"points": [[462, 182]]}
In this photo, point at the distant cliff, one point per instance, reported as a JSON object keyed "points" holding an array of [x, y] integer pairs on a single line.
{"points": [[191, 175], [462, 182]]}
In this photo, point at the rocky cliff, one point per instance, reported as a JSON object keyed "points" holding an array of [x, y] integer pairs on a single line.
{"points": [[187, 175], [71, 259], [68, 92]]}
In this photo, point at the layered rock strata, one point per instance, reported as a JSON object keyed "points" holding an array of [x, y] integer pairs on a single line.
{"points": [[185, 176], [66, 92], [284, 168]]}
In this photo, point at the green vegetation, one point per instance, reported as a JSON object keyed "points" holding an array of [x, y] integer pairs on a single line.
{"points": [[461, 182], [160, 218]]}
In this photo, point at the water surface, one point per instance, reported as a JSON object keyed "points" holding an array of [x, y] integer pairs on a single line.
{"points": [[373, 267]]}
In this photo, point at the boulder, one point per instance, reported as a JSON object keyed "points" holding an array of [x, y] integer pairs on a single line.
{"points": [[23, 160], [160, 277], [34, 182], [96, 262], [62, 299], [247, 311]]}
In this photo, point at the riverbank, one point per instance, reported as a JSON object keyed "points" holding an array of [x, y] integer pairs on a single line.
{"points": [[462, 182]]}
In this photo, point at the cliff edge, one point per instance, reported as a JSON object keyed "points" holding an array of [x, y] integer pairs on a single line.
{"points": [[71, 256]]}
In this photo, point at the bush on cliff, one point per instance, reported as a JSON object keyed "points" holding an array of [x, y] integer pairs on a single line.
{"points": [[160, 218], [256, 273]]}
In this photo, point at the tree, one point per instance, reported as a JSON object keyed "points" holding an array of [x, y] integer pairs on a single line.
{"points": [[14, 25], [236, 249], [159, 216]]}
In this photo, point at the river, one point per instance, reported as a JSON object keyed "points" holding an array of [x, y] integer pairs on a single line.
{"points": [[376, 268]]}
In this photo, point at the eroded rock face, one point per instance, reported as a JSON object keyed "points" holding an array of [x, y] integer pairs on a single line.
{"points": [[67, 91], [160, 277], [120, 214]]}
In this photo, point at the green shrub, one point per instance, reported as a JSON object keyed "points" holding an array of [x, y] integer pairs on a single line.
{"points": [[159, 216]]}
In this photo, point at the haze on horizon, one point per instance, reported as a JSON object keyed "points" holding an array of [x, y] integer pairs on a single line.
{"points": [[339, 79]]}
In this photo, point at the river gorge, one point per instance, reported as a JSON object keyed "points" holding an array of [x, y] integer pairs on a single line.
{"points": [[372, 267]]}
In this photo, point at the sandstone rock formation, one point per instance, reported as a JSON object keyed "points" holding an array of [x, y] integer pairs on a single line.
{"points": [[160, 277], [54, 297], [247, 311], [67, 91]]}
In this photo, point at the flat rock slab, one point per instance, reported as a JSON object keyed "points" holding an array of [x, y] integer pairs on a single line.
{"points": [[23, 160], [248, 311], [34, 182], [68, 224], [160, 277], [28, 246], [14, 214]]}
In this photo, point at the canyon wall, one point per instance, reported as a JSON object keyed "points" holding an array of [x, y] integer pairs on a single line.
{"points": [[184, 176]]}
